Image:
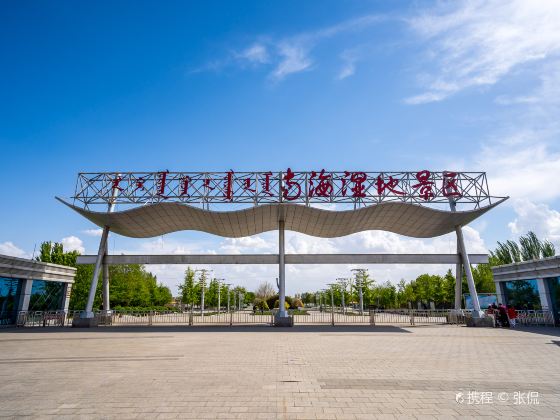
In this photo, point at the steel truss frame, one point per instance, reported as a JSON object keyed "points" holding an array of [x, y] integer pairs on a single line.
{"points": [[274, 187]]}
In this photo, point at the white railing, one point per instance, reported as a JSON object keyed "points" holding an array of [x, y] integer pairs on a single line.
{"points": [[540, 317], [308, 316]]}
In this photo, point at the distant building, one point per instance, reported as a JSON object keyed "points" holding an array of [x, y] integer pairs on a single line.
{"points": [[530, 285], [27, 285]]}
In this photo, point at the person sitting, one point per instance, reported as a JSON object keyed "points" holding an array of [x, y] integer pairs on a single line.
{"points": [[512, 315], [490, 311], [502, 311]]}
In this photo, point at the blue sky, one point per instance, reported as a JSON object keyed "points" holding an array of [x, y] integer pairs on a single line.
{"points": [[256, 86]]}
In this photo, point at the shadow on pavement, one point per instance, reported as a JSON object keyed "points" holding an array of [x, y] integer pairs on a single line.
{"points": [[217, 328], [553, 331]]}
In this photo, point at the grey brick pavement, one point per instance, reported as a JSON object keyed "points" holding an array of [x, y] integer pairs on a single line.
{"points": [[265, 373]]}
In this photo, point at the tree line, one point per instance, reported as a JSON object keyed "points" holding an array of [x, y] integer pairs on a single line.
{"points": [[130, 285], [434, 288], [215, 291]]}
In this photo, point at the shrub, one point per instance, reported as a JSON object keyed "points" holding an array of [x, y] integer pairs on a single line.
{"points": [[271, 300], [261, 304], [296, 303], [277, 304]]}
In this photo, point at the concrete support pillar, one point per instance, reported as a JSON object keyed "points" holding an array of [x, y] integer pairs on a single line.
{"points": [[88, 313], [544, 295], [500, 292], [458, 279], [25, 295], [477, 313], [66, 293], [281, 272]]}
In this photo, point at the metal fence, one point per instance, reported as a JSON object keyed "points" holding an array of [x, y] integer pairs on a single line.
{"points": [[184, 318], [311, 316], [535, 318]]}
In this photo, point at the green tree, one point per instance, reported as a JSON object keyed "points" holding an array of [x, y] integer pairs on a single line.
{"points": [[265, 291], [188, 289], [129, 285], [530, 248], [449, 281], [483, 279], [211, 293]]}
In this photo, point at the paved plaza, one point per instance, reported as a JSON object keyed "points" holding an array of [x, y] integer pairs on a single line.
{"points": [[306, 372]]}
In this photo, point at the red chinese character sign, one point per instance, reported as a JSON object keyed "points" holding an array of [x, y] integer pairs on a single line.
{"points": [[289, 186]]}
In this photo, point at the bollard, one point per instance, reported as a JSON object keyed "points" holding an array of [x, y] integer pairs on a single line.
{"points": [[411, 317]]}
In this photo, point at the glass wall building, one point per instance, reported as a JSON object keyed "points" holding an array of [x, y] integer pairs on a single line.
{"points": [[27, 285], [9, 299], [530, 285], [523, 294]]}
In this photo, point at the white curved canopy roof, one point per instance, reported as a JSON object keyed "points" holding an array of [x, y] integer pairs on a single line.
{"points": [[402, 218]]}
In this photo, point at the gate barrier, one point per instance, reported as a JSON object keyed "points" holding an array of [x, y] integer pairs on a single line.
{"points": [[322, 316]]}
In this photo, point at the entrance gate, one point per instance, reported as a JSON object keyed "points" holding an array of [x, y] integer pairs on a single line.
{"points": [[309, 316], [407, 203]]}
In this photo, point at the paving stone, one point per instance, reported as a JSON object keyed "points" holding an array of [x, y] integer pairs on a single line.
{"points": [[260, 373]]}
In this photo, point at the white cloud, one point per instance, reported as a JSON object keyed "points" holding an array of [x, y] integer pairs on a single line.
{"points": [[294, 51], [93, 232], [294, 59], [264, 243], [521, 165], [304, 277], [477, 43], [8, 248], [256, 53], [73, 243], [349, 58], [290, 54], [539, 218]]}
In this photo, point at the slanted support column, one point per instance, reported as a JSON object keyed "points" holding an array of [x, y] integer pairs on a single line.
{"points": [[106, 301], [458, 279], [477, 313], [105, 288], [281, 272], [88, 313]]}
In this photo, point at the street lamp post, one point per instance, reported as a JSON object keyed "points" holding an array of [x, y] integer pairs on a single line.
{"points": [[204, 271], [332, 301], [227, 285], [343, 281], [360, 276], [220, 282]]}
